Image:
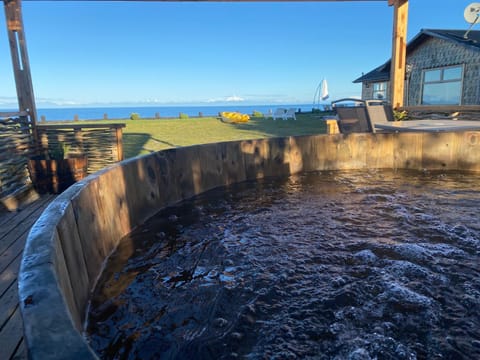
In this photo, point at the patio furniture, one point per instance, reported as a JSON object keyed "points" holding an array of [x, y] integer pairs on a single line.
{"points": [[279, 113], [268, 114], [379, 112], [290, 114], [352, 119]]}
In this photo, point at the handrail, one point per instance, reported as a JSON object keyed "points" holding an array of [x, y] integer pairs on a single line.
{"points": [[11, 114], [82, 126], [102, 143], [442, 108]]}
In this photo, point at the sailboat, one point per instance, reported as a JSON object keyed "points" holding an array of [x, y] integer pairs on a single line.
{"points": [[321, 94]]}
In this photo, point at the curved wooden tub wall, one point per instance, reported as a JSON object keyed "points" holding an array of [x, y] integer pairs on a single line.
{"points": [[67, 246]]}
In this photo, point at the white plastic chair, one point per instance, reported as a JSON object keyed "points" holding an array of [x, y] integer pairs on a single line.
{"points": [[268, 114], [279, 113], [289, 114]]}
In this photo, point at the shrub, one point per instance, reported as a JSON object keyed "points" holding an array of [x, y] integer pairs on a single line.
{"points": [[183, 116], [400, 115], [134, 116], [257, 114]]}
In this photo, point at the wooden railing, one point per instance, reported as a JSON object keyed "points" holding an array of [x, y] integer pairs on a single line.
{"points": [[102, 143], [458, 112]]}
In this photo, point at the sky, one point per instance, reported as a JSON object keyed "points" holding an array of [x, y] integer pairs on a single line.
{"points": [[94, 53]]}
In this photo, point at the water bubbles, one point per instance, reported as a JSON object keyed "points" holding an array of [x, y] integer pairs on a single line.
{"points": [[173, 218], [345, 265], [365, 257], [236, 336], [160, 235], [404, 298], [220, 322], [359, 354]]}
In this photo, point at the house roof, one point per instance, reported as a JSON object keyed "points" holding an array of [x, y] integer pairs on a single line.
{"points": [[382, 73]]}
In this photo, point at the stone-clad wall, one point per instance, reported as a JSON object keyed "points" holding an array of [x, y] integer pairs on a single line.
{"points": [[436, 53], [68, 245]]}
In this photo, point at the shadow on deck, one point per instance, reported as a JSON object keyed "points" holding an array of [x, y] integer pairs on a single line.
{"points": [[14, 228]]}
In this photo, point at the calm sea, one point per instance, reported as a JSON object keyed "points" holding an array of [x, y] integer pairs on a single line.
{"points": [[91, 113]]}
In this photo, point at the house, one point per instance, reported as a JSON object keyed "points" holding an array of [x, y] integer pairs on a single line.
{"points": [[443, 68]]}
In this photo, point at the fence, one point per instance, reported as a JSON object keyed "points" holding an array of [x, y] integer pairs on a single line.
{"points": [[101, 143], [16, 146]]}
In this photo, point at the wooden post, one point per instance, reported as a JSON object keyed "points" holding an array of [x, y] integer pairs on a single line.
{"points": [[21, 64], [399, 52], [78, 136], [119, 134]]}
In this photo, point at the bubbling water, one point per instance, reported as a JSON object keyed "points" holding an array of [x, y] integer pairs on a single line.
{"points": [[330, 265]]}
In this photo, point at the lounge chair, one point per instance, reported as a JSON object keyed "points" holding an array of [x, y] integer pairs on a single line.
{"points": [[289, 114], [379, 112], [352, 119], [268, 114], [279, 113]]}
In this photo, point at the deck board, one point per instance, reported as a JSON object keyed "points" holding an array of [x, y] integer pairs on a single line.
{"points": [[8, 303], [14, 228], [11, 335]]}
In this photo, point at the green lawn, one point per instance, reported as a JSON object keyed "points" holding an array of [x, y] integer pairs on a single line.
{"points": [[144, 136]]}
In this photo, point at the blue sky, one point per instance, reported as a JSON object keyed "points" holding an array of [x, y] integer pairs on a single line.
{"points": [[124, 53]]}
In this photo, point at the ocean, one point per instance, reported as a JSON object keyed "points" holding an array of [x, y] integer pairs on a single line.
{"points": [[98, 113]]}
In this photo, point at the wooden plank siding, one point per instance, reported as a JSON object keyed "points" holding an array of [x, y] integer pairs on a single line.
{"points": [[14, 228]]}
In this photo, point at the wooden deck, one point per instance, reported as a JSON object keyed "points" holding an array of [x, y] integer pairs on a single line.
{"points": [[14, 228]]}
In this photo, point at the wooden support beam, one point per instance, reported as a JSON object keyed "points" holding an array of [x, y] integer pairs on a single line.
{"points": [[399, 52], [21, 64]]}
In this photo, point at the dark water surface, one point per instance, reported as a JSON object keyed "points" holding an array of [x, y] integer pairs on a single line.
{"points": [[331, 265]]}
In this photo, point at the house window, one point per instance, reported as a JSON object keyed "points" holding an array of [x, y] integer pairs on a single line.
{"points": [[380, 90], [442, 86]]}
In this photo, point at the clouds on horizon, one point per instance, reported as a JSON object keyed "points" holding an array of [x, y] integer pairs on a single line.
{"points": [[10, 102]]}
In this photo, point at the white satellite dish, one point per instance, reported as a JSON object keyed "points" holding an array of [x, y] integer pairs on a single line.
{"points": [[471, 13], [472, 16]]}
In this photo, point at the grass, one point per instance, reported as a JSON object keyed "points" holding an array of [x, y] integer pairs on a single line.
{"points": [[144, 136]]}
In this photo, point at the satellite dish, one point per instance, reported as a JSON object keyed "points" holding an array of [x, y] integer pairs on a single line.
{"points": [[472, 16], [472, 13]]}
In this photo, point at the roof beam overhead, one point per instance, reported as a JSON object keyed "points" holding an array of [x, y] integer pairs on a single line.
{"points": [[21, 66]]}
